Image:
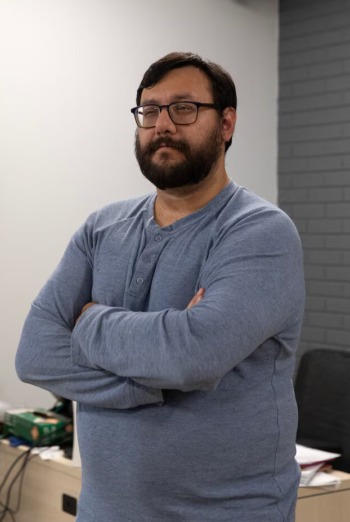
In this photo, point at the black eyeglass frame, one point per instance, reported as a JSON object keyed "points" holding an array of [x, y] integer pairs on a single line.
{"points": [[161, 107]]}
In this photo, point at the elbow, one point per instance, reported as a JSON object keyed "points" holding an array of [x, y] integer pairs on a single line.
{"points": [[22, 367]]}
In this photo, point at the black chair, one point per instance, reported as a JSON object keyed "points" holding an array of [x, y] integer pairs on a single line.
{"points": [[322, 390]]}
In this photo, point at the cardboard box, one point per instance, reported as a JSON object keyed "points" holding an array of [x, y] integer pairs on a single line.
{"points": [[38, 427]]}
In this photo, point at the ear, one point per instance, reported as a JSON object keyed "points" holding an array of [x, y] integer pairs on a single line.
{"points": [[228, 122]]}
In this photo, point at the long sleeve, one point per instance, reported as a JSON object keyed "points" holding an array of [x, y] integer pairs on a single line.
{"points": [[223, 368], [253, 280], [44, 353]]}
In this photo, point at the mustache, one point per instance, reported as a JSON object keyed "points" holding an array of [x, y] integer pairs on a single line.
{"points": [[168, 142]]}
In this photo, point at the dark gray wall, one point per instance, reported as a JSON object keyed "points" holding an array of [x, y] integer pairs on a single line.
{"points": [[314, 158]]}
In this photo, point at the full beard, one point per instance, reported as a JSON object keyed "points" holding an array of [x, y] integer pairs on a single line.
{"points": [[194, 168]]}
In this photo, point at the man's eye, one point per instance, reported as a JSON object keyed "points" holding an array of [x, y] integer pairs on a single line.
{"points": [[183, 107], [149, 111]]}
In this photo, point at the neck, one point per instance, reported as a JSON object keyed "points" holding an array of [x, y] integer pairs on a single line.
{"points": [[174, 204]]}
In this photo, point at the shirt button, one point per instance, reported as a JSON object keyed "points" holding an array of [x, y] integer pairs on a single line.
{"points": [[146, 259], [158, 238], [139, 280]]}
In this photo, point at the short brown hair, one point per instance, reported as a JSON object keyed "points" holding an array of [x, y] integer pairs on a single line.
{"points": [[223, 87]]}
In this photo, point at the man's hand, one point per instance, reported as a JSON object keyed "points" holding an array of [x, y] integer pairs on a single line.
{"points": [[196, 298], [85, 307]]}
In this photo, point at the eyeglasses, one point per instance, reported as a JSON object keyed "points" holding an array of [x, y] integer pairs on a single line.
{"points": [[180, 113]]}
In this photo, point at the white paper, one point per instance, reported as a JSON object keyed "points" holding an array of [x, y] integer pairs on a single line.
{"points": [[308, 474], [322, 479], [311, 461], [76, 461], [305, 456]]}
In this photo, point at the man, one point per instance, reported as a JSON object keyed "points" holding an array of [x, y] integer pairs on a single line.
{"points": [[173, 320]]}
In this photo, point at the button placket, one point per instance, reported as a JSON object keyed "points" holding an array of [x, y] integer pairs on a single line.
{"points": [[145, 267]]}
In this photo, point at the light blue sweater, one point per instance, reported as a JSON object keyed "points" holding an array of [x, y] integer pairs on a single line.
{"points": [[184, 415]]}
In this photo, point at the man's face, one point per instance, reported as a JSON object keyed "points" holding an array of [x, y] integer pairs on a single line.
{"points": [[173, 156]]}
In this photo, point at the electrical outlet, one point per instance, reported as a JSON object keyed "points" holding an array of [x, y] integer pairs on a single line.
{"points": [[69, 504]]}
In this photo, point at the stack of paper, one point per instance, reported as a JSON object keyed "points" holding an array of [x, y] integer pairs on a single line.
{"points": [[311, 462]]}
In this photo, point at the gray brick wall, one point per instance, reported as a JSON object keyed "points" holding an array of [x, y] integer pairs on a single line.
{"points": [[314, 158]]}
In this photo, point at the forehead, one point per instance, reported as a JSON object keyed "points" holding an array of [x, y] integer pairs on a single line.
{"points": [[187, 83]]}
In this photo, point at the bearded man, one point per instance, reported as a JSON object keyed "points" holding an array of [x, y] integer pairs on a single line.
{"points": [[173, 320]]}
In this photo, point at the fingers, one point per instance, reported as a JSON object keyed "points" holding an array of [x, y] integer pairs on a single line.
{"points": [[196, 298], [85, 307]]}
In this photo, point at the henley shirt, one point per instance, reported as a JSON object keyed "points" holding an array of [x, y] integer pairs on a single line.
{"points": [[184, 415]]}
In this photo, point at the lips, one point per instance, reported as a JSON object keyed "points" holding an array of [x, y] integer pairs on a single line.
{"points": [[165, 146], [166, 143]]}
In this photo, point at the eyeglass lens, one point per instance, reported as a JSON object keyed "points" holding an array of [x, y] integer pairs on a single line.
{"points": [[180, 113]]}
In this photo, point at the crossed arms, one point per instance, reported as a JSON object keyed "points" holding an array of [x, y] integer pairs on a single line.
{"points": [[115, 358]]}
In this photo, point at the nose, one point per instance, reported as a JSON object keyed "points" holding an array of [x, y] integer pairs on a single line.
{"points": [[164, 123]]}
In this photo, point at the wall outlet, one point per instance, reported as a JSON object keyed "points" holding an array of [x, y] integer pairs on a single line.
{"points": [[69, 504]]}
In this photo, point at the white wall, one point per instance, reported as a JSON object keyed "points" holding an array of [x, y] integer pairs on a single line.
{"points": [[69, 70]]}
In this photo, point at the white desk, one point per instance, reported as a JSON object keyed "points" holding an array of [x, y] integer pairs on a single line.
{"points": [[46, 481]]}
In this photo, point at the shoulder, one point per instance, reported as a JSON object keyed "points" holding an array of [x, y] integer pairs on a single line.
{"points": [[245, 204], [111, 219], [264, 213], [248, 215], [119, 211]]}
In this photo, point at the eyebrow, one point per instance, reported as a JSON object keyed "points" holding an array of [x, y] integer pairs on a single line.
{"points": [[177, 97]]}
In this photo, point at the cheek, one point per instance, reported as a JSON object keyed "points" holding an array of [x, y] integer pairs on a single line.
{"points": [[144, 140], [144, 137]]}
